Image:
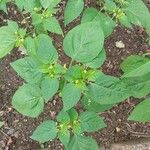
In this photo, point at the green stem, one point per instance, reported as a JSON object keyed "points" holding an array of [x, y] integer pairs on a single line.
{"points": [[69, 68], [71, 63]]}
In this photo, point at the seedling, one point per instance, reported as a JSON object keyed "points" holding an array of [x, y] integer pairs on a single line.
{"points": [[69, 126]]}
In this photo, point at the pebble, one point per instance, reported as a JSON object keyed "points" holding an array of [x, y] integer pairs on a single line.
{"points": [[120, 44]]}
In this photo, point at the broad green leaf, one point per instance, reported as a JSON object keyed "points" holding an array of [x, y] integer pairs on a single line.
{"points": [[74, 73], [125, 21], [29, 45], [51, 24], [45, 51], [63, 117], [108, 90], [1, 124], [22, 32], [98, 61], [49, 3], [12, 26], [139, 86], [45, 3], [82, 143], [70, 96], [91, 105], [64, 134], [28, 101], [110, 5], [36, 18], [105, 22], [93, 74], [61, 84], [84, 42], [90, 121], [49, 87], [132, 18], [73, 114], [3, 5], [140, 70], [28, 5], [76, 128], [64, 137], [8, 38], [73, 10], [27, 69], [138, 13], [45, 131], [40, 29], [133, 62], [141, 112], [136, 75]]}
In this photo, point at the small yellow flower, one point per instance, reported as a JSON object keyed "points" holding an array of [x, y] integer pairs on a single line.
{"points": [[51, 67], [22, 40], [85, 71], [76, 81]]}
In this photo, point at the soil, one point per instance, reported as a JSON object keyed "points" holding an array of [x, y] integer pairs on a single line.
{"points": [[15, 135]]}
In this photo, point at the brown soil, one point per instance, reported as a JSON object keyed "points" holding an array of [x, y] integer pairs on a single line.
{"points": [[15, 135]]}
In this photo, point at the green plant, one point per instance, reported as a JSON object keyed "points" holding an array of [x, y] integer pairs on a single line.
{"points": [[70, 125], [137, 78], [43, 19], [82, 79], [128, 13], [11, 36]]}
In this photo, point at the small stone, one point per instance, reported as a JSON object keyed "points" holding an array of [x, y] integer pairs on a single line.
{"points": [[16, 121], [16, 134], [53, 114], [120, 44], [9, 109], [1, 113], [2, 145], [129, 32], [15, 12], [11, 131], [119, 120], [25, 120], [118, 129]]}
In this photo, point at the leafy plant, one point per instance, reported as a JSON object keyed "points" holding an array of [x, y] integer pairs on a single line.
{"points": [[137, 78], [69, 127], [43, 17], [81, 80], [10, 36], [73, 10], [128, 13], [136, 75]]}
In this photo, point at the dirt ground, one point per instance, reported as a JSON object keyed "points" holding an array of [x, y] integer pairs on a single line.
{"points": [[15, 135]]}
